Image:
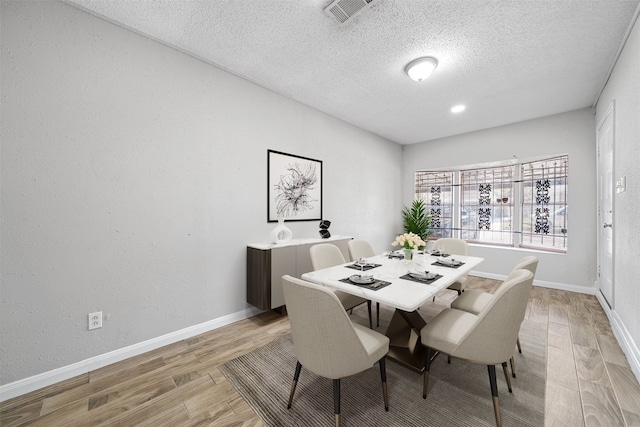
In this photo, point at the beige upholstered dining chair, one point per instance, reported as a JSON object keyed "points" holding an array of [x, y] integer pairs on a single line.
{"points": [[474, 300], [325, 340], [454, 247], [487, 337], [362, 249], [326, 255]]}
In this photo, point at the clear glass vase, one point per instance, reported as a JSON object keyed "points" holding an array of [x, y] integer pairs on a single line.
{"points": [[408, 254]]}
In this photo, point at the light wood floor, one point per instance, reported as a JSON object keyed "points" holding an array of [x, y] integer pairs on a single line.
{"points": [[589, 382]]}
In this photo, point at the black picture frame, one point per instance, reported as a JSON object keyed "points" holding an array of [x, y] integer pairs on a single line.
{"points": [[294, 187]]}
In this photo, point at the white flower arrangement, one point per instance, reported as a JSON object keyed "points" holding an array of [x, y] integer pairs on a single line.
{"points": [[408, 241]]}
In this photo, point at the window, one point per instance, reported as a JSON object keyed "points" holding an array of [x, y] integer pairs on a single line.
{"points": [[544, 206], [486, 205], [513, 204], [436, 189]]}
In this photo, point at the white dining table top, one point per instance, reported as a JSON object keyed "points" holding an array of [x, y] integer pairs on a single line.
{"points": [[407, 295]]}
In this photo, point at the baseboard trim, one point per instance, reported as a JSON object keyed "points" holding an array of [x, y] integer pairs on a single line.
{"points": [[620, 331], [543, 283], [36, 382]]}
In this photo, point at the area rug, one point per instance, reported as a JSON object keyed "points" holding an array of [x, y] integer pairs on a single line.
{"points": [[459, 393]]}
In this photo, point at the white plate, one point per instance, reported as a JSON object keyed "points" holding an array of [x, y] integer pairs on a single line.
{"points": [[362, 280]]}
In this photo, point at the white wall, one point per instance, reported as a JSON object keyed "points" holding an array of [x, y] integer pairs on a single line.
{"points": [[623, 89], [133, 176], [571, 133]]}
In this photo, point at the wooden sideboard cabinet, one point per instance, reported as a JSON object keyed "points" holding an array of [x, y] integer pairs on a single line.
{"points": [[268, 262]]}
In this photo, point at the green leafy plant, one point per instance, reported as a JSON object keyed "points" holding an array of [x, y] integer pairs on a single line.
{"points": [[416, 220]]}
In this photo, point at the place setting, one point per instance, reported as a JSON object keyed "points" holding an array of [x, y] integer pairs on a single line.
{"points": [[394, 255], [448, 262], [363, 265], [421, 276], [437, 253], [366, 281]]}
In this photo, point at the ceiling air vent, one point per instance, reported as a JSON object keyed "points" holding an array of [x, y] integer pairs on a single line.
{"points": [[343, 10]]}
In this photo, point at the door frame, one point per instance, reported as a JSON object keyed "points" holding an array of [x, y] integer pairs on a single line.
{"points": [[610, 111]]}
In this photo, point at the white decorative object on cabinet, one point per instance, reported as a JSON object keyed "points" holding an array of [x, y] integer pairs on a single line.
{"points": [[281, 233]]}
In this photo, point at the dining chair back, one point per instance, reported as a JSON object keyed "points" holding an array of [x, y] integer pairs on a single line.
{"points": [[452, 246], [325, 340], [474, 300], [325, 255], [359, 248], [486, 337], [528, 262], [499, 320]]}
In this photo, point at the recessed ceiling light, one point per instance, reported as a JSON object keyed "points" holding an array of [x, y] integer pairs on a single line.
{"points": [[421, 68], [458, 109]]}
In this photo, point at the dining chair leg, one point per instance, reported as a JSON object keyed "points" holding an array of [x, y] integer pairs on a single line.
{"points": [[370, 318], [518, 343], [383, 377], [425, 375], [513, 367], [506, 376], [377, 315], [336, 400], [294, 384], [494, 393]]}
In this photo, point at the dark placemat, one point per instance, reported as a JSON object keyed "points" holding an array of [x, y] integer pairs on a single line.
{"points": [[419, 280], [375, 286], [448, 265], [366, 267], [442, 255]]}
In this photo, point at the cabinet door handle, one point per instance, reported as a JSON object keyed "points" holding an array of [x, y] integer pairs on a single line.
{"points": [[605, 225]]}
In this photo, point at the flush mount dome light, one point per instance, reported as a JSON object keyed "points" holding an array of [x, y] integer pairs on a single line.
{"points": [[458, 109], [421, 68]]}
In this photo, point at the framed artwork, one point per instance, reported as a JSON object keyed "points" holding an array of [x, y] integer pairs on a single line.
{"points": [[294, 187]]}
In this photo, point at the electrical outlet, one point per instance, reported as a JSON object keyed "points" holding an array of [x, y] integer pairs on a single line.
{"points": [[95, 320]]}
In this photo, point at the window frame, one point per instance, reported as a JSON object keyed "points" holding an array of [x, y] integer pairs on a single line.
{"points": [[555, 187]]}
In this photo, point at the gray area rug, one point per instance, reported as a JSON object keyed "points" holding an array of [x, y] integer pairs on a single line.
{"points": [[459, 393]]}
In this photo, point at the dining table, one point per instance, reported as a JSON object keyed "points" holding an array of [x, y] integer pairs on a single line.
{"points": [[402, 284]]}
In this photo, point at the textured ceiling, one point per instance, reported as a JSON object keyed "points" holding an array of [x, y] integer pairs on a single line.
{"points": [[507, 61]]}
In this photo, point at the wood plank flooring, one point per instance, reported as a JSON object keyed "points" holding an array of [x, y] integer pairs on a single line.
{"points": [[589, 382]]}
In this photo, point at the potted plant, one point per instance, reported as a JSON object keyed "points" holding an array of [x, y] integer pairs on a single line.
{"points": [[416, 220]]}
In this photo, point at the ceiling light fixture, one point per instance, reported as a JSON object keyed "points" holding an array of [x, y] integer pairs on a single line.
{"points": [[458, 109], [421, 68]]}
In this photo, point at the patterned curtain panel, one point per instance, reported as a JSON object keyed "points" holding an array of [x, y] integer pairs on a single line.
{"points": [[435, 211], [542, 212], [484, 211]]}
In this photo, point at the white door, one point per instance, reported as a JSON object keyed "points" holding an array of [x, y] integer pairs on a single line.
{"points": [[605, 209]]}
